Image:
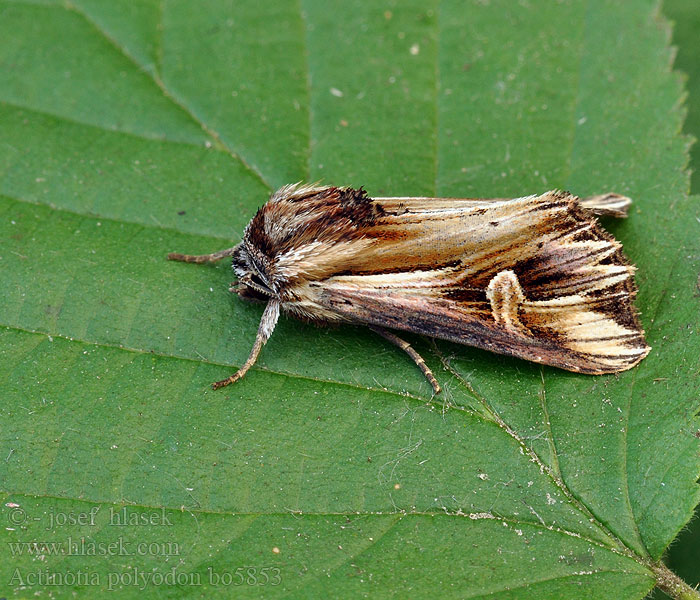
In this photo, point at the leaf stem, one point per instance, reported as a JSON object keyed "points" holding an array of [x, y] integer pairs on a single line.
{"points": [[672, 585]]}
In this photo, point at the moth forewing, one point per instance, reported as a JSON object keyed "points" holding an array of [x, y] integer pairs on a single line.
{"points": [[534, 277]]}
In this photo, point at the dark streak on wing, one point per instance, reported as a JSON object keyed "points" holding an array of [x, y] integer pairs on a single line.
{"points": [[437, 319]]}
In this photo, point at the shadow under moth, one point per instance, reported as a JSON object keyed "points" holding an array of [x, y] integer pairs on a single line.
{"points": [[534, 277]]}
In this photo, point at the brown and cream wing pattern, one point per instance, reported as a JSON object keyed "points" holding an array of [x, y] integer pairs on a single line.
{"points": [[536, 277]]}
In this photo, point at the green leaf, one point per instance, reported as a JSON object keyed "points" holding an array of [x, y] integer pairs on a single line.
{"points": [[682, 555], [686, 22], [131, 129]]}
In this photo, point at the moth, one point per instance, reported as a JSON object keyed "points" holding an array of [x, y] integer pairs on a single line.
{"points": [[535, 277]]}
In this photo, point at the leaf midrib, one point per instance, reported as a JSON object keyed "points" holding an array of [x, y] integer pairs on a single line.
{"points": [[12, 496], [397, 518], [547, 579]]}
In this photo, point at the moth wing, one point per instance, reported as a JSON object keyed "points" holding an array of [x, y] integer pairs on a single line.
{"points": [[536, 278], [609, 204]]}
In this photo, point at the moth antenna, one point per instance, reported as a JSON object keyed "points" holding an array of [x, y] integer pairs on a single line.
{"points": [[610, 205], [202, 258], [265, 329], [408, 349]]}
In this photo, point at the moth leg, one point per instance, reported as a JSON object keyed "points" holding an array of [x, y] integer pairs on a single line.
{"points": [[202, 258], [265, 329], [611, 205], [408, 349]]}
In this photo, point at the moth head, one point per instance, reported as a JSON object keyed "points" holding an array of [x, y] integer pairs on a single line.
{"points": [[304, 233], [253, 280]]}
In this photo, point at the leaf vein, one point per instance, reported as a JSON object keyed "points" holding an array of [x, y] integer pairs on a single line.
{"points": [[168, 94], [402, 514], [139, 136]]}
